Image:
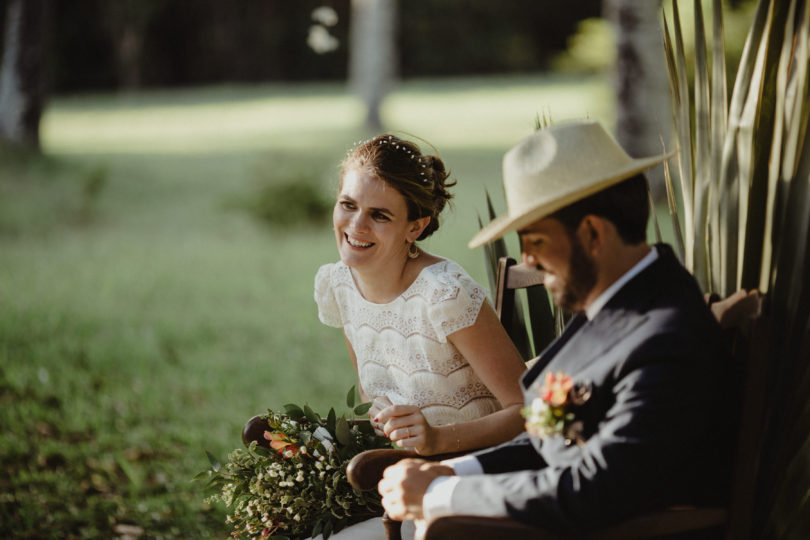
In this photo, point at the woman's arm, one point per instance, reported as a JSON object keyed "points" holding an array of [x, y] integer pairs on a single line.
{"points": [[353, 356], [495, 360]]}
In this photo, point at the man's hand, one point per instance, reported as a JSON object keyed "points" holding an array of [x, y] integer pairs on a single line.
{"points": [[404, 485]]}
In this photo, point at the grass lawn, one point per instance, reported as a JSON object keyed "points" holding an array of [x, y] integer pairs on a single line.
{"points": [[144, 315]]}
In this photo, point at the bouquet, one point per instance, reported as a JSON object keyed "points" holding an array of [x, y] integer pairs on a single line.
{"points": [[296, 487], [553, 412]]}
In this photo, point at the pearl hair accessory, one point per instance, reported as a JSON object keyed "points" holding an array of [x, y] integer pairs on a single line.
{"points": [[389, 140]]}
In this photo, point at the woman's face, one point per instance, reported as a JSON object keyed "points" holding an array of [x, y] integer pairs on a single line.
{"points": [[371, 221]]}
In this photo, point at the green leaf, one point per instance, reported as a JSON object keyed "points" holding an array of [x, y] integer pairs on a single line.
{"points": [[681, 108], [311, 415], [293, 411], [330, 421], [703, 164], [362, 408], [350, 397], [342, 431], [215, 464], [365, 428], [673, 213]]}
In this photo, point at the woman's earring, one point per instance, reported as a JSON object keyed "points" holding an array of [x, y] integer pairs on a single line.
{"points": [[413, 251]]}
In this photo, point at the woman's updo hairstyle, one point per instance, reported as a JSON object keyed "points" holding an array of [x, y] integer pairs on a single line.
{"points": [[421, 179]]}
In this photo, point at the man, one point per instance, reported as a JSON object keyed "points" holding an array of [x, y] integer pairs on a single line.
{"points": [[643, 352]]}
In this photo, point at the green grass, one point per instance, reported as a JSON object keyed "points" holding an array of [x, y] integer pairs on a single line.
{"points": [[144, 317]]}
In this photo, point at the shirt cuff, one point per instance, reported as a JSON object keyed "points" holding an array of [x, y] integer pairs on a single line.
{"points": [[437, 498], [464, 465]]}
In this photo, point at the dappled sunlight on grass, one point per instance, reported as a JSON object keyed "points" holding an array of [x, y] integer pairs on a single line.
{"points": [[463, 115], [198, 126]]}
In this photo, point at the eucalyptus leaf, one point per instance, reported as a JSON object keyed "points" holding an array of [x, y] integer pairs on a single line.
{"points": [[362, 408], [350, 398], [342, 431], [330, 421], [215, 464], [311, 415], [293, 411]]}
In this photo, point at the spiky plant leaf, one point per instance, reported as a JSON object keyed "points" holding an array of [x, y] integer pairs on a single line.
{"points": [[681, 115], [722, 216], [763, 106], [541, 317], [673, 212], [703, 164]]}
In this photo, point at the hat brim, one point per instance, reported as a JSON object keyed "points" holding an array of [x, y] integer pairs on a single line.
{"points": [[506, 223]]}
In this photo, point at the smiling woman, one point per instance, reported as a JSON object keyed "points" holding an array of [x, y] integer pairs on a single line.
{"points": [[428, 349]]}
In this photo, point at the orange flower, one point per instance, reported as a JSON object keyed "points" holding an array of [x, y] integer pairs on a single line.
{"points": [[555, 388], [280, 443]]}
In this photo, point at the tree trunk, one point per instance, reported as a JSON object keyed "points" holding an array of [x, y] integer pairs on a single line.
{"points": [[127, 21], [643, 117], [22, 79], [372, 54]]}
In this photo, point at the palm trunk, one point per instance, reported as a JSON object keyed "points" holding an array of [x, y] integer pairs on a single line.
{"points": [[643, 118], [372, 54]]}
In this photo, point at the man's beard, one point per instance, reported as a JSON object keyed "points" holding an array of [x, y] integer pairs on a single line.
{"points": [[581, 279]]}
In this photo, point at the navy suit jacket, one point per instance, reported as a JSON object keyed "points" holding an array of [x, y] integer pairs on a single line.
{"points": [[656, 427]]}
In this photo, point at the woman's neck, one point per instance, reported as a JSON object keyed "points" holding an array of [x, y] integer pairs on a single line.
{"points": [[383, 285]]}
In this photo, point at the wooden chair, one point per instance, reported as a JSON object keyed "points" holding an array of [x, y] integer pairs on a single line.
{"points": [[736, 314]]}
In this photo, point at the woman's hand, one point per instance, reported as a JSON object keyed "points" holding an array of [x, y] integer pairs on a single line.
{"points": [[377, 405], [406, 426]]}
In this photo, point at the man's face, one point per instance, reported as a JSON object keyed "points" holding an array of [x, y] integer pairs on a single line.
{"points": [[570, 272]]}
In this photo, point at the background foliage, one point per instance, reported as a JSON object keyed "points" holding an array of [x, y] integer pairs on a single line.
{"points": [[186, 43]]}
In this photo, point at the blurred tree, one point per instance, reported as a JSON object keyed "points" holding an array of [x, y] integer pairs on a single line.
{"points": [[126, 22], [373, 63], [643, 113], [22, 77]]}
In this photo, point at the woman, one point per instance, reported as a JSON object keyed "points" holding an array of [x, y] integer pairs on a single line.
{"points": [[429, 350]]}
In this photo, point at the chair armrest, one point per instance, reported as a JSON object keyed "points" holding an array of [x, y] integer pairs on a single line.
{"points": [[366, 468], [670, 521], [465, 527], [653, 525]]}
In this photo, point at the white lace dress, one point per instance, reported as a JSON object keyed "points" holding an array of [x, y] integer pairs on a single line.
{"points": [[402, 348], [403, 353]]}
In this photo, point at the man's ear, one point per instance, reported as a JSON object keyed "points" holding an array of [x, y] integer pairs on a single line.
{"points": [[416, 228], [592, 232]]}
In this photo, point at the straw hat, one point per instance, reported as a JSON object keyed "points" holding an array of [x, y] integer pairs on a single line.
{"points": [[557, 166]]}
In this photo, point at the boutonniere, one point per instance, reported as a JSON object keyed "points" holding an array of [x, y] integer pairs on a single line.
{"points": [[553, 412]]}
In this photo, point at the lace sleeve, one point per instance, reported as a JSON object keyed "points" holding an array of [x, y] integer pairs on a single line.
{"points": [[328, 311], [455, 302]]}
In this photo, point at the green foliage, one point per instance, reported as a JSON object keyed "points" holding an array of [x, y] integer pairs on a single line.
{"points": [[744, 167], [291, 203], [591, 49], [295, 486], [533, 334]]}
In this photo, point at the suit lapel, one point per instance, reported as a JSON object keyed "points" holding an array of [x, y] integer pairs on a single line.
{"points": [[619, 317], [551, 351], [595, 340]]}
